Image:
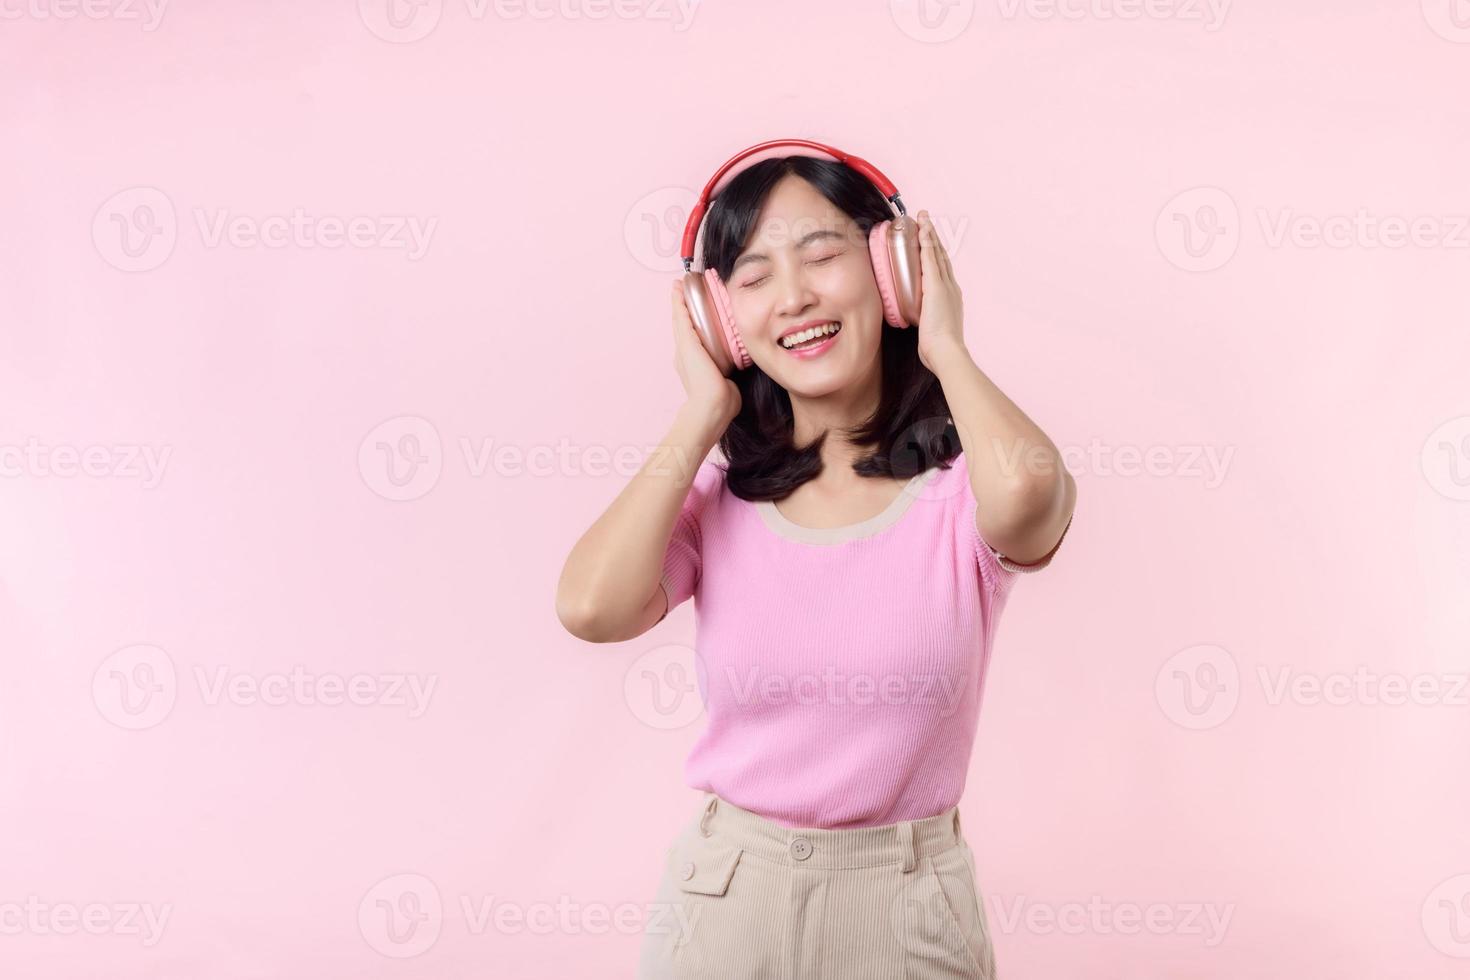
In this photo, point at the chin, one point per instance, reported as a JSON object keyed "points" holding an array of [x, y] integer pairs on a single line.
{"points": [[817, 383], [818, 390]]}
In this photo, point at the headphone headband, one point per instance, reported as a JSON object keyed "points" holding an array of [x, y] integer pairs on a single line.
{"points": [[750, 156]]}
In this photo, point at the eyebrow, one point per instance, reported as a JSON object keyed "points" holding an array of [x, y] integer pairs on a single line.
{"points": [[803, 242]]}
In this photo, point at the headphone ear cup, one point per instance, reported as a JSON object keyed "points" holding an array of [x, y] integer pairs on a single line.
{"points": [[726, 316], [894, 249], [709, 309]]}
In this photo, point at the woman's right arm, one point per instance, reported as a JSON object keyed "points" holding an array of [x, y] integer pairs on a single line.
{"points": [[609, 589]]}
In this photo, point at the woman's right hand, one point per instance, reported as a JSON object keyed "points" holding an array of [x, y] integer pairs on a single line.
{"points": [[706, 388]]}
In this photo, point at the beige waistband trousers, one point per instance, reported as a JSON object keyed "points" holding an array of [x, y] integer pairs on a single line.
{"points": [[743, 897]]}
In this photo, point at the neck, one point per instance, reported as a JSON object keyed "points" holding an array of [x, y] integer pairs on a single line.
{"points": [[834, 413]]}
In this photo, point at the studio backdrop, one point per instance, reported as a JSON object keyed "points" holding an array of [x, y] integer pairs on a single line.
{"points": [[326, 331]]}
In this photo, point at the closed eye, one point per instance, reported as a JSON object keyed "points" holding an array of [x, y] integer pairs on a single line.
{"points": [[822, 261]]}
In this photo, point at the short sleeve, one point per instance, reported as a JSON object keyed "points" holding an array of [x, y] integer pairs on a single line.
{"points": [[683, 559], [996, 569]]}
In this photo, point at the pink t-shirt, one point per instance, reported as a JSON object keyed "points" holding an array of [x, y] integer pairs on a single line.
{"points": [[842, 669]]}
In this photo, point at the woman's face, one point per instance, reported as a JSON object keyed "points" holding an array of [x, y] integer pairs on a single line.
{"points": [[807, 263]]}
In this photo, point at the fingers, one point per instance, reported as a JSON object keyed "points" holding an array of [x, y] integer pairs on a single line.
{"points": [[941, 254], [681, 310], [928, 261], [681, 322], [681, 304], [931, 247]]}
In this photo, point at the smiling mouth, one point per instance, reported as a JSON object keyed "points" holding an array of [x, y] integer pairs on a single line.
{"points": [[813, 337]]}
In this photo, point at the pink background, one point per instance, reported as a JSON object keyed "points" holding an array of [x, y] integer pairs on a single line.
{"points": [[1111, 191]]}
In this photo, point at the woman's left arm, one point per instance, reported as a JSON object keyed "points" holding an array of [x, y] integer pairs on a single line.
{"points": [[1026, 494]]}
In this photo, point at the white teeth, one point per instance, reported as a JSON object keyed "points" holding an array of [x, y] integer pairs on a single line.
{"points": [[797, 339]]}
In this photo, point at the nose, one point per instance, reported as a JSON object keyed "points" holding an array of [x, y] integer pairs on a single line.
{"points": [[797, 295]]}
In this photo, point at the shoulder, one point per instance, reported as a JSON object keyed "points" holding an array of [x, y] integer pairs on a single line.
{"points": [[710, 477], [952, 478], [714, 467], [708, 484]]}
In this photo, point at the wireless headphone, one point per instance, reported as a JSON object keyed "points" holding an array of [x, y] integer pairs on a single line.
{"points": [[893, 246]]}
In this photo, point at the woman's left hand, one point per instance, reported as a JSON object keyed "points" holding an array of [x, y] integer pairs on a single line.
{"points": [[941, 315]]}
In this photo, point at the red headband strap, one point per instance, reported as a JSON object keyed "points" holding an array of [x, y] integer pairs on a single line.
{"points": [[761, 151]]}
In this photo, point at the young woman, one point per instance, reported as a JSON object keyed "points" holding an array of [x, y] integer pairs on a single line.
{"points": [[849, 562]]}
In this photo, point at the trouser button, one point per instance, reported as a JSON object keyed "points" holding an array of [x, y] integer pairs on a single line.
{"points": [[801, 848]]}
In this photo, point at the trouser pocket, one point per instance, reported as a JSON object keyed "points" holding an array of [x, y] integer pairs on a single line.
{"points": [[697, 925], [705, 865], [943, 926]]}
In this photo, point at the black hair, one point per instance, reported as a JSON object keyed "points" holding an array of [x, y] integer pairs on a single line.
{"points": [[911, 428]]}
